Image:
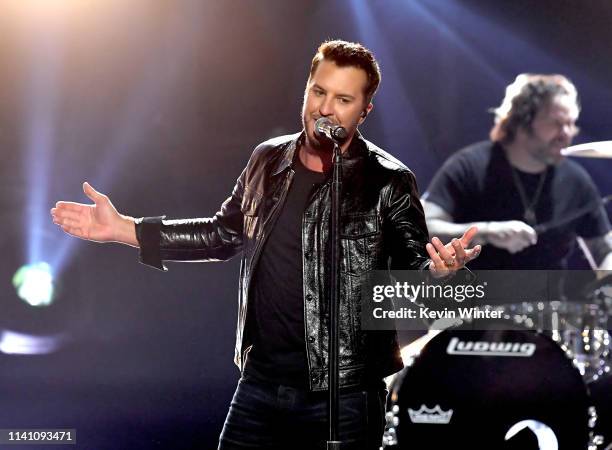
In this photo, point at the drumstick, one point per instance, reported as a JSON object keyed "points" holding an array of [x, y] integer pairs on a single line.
{"points": [[547, 226]]}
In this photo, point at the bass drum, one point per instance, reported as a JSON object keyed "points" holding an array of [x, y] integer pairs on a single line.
{"points": [[507, 388]]}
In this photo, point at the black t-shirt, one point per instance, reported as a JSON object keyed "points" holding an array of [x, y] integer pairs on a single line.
{"points": [[476, 184], [275, 321]]}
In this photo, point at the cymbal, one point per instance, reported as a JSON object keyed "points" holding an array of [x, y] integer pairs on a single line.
{"points": [[601, 149]]}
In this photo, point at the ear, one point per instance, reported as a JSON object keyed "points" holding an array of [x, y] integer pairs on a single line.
{"points": [[365, 113]]}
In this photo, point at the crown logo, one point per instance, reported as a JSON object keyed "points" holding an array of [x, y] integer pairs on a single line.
{"points": [[435, 415]]}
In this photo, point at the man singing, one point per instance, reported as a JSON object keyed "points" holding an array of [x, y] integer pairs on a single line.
{"points": [[277, 218]]}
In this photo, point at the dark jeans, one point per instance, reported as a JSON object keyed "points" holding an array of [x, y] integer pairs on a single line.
{"points": [[271, 416]]}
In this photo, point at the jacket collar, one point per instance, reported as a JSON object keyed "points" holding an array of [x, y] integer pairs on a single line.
{"points": [[286, 159], [355, 153]]}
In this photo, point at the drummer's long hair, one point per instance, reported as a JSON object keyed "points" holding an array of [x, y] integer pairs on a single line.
{"points": [[524, 98]]}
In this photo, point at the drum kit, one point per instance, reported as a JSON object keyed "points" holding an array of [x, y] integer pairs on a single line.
{"points": [[541, 379]]}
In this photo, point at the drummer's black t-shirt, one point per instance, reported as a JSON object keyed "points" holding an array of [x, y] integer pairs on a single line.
{"points": [[476, 184], [275, 323]]}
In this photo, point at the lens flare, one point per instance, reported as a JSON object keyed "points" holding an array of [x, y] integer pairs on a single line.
{"points": [[34, 284]]}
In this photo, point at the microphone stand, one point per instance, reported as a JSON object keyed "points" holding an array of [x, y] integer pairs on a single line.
{"points": [[334, 308]]}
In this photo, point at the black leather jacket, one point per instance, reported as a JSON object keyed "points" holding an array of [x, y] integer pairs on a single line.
{"points": [[382, 226]]}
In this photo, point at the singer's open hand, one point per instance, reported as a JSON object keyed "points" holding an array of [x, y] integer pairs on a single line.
{"points": [[99, 222], [447, 259]]}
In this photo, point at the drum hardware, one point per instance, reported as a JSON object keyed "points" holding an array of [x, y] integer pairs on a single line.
{"points": [[580, 329], [600, 391], [595, 440], [586, 341], [600, 292], [391, 424]]}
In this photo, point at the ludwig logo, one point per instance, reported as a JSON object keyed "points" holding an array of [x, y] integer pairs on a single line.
{"points": [[435, 415], [483, 348]]}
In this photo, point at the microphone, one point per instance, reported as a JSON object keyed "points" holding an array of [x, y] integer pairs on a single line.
{"points": [[326, 128]]}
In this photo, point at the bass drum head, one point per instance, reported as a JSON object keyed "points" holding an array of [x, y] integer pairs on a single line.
{"points": [[493, 389]]}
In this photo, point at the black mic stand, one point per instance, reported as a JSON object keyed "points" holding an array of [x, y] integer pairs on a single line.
{"points": [[334, 308]]}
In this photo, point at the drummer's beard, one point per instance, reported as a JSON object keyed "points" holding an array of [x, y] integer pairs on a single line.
{"points": [[548, 152]]}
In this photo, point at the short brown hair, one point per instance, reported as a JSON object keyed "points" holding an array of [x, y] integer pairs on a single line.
{"points": [[350, 54], [527, 95]]}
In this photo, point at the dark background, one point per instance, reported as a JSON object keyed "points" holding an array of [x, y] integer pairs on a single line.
{"points": [[158, 103]]}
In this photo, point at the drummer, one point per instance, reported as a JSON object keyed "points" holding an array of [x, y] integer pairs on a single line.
{"points": [[518, 180]]}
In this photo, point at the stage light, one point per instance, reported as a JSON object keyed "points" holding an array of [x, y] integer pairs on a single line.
{"points": [[12, 343], [42, 309], [34, 284]]}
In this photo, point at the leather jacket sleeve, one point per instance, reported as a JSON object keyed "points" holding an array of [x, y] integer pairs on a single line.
{"points": [[405, 221], [216, 238]]}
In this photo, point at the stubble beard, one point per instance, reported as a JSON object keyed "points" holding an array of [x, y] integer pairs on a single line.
{"points": [[546, 151]]}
